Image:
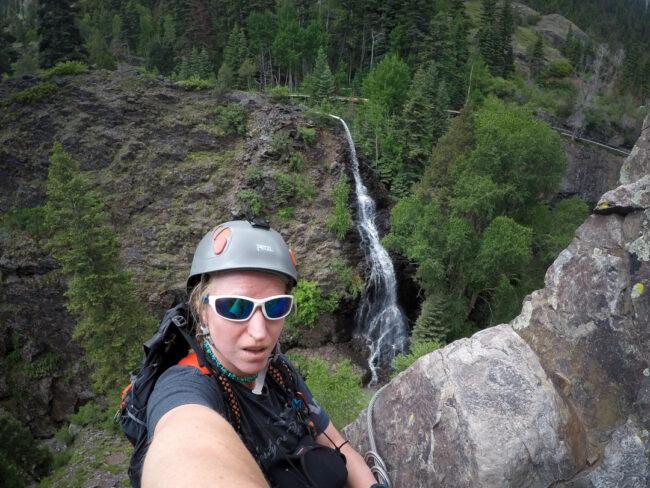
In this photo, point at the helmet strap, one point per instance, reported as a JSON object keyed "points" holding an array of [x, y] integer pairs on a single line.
{"points": [[259, 381]]}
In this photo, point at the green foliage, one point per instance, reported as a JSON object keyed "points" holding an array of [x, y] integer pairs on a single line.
{"points": [[282, 143], [66, 68], [22, 460], [340, 220], [306, 134], [195, 83], [196, 66], [285, 213], [60, 39], [232, 118], [284, 188], [323, 85], [31, 220], [305, 190], [254, 174], [296, 162], [560, 68], [466, 226], [89, 414], [44, 367], [387, 84], [348, 284], [402, 362], [429, 326], [31, 95], [112, 322], [250, 201], [339, 392], [310, 302]]}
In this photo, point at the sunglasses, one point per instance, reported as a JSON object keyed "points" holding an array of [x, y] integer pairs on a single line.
{"points": [[240, 309]]}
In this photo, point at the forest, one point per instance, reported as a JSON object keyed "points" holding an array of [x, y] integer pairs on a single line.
{"points": [[444, 99], [449, 89]]}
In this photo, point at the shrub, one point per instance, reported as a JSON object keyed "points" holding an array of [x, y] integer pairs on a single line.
{"points": [[31, 95], [254, 174], [349, 284], [418, 350], [560, 69], [284, 188], [310, 302], [195, 83], [88, 414], [21, 458], [285, 213], [31, 220], [304, 188], [306, 134], [232, 118], [281, 142], [340, 220], [296, 162], [339, 392], [65, 68], [250, 201]]}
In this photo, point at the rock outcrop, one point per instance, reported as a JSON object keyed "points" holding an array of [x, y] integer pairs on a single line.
{"points": [[558, 397]]}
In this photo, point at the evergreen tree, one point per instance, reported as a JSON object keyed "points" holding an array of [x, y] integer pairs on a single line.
{"points": [[261, 33], [60, 39], [430, 325], [7, 53], [536, 58], [507, 29], [98, 53], [323, 79], [130, 24], [112, 322], [286, 44], [489, 38]]}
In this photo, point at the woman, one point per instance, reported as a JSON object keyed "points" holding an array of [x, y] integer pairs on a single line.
{"points": [[238, 284]]}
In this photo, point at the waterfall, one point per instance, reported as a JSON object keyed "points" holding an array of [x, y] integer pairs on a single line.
{"points": [[379, 319]]}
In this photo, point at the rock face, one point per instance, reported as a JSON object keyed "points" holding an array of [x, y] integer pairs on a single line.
{"points": [[558, 397], [590, 173], [167, 171]]}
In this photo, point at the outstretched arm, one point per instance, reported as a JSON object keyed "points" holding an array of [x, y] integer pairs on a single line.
{"points": [[359, 474], [195, 446]]}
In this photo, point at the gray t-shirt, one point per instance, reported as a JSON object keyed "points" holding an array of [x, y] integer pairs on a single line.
{"points": [[270, 427]]}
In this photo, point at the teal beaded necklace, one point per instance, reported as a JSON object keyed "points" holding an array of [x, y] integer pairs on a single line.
{"points": [[222, 368]]}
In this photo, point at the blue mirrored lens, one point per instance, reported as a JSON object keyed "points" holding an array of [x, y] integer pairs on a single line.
{"points": [[278, 307], [233, 308]]}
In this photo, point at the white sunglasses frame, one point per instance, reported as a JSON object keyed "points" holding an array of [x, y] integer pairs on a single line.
{"points": [[211, 299]]}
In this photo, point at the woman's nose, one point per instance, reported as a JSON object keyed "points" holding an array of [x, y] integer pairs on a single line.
{"points": [[257, 324]]}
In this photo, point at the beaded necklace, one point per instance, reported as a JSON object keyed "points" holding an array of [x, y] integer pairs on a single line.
{"points": [[222, 368]]}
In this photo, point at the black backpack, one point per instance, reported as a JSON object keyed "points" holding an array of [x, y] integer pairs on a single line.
{"points": [[166, 348]]}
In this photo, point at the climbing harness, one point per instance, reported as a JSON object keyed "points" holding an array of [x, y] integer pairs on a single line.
{"points": [[372, 458]]}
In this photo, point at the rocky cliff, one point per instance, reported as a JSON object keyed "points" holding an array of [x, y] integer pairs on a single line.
{"points": [[167, 171], [558, 397]]}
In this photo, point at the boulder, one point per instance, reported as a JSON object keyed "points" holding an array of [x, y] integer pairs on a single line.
{"points": [[558, 397]]}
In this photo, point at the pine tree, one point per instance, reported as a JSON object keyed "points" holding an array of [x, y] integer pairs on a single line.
{"points": [[507, 29], [98, 53], [536, 58], [60, 39], [429, 326], [7, 53], [489, 38], [323, 79], [112, 322]]}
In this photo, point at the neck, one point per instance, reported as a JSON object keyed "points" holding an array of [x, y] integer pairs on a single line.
{"points": [[247, 380]]}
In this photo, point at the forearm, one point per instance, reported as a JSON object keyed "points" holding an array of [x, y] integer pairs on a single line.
{"points": [[192, 446]]}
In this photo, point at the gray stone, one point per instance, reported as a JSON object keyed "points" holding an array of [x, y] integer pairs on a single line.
{"points": [[481, 412]]}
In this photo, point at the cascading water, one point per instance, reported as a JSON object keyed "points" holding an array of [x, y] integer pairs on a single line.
{"points": [[379, 319]]}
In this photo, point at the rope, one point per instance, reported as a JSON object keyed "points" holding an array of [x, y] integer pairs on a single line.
{"points": [[372, 458]]}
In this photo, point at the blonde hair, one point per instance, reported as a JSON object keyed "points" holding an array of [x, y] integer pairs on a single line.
{"points": [[197, 295]]}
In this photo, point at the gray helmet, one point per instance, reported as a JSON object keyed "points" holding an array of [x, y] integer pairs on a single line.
{"points": [[244, 246]]}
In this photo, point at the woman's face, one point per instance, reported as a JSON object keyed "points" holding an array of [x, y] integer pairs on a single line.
{"points": [[243, 347]]}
